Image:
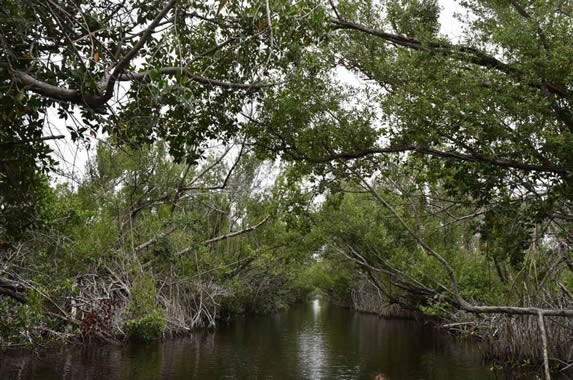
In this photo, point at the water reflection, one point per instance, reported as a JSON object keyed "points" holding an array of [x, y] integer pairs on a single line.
{"points": [[312, 341], [312, 351], [315, 307]]}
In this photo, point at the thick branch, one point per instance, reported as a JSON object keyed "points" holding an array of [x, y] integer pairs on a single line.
{"points": [[402, 280], [43, 138], [96, 101], [471, 54], [9, 292], [58, 93]]}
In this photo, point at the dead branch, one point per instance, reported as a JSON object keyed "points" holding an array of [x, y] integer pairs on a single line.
{"points": [[162, 235], [237, 233], [226, 236], [544, 343], [13, 294]]}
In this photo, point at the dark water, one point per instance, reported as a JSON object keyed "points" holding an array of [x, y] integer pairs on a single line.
{"points": [[311, 341]]}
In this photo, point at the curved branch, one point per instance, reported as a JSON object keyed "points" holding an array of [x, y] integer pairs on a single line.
{"points": [[464, 53]]}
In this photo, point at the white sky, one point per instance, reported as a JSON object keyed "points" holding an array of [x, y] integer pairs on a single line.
{"points": [[450, 26]]}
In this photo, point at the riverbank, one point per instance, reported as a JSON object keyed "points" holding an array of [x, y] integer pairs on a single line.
{"points": [[506, 341]]}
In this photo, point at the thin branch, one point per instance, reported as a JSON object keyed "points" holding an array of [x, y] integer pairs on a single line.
{"points": [[208, 168], [270, 26], [334, 9], [237, 233], [523, 13], [227, 177]]}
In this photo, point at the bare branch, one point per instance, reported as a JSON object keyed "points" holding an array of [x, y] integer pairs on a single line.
{"points": [[227, 236], [162, 235], [543, 333], [237, 233]]}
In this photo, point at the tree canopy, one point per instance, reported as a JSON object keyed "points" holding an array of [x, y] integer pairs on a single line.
{"points": [[491, 112]]}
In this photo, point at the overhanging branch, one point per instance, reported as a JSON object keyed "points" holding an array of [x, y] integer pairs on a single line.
{"points": [[461, 52], [43, 138]]}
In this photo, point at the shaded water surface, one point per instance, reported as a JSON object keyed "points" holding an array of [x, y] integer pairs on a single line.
{"points": [[310, 341]]}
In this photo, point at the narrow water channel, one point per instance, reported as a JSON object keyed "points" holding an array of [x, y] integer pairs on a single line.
{"points": [[309, 341]]}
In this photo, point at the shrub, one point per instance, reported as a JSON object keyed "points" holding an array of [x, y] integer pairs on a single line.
{"points": [[147, 328]]}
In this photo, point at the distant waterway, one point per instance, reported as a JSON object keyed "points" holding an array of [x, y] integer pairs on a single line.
{"points": [[309, 341]]}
